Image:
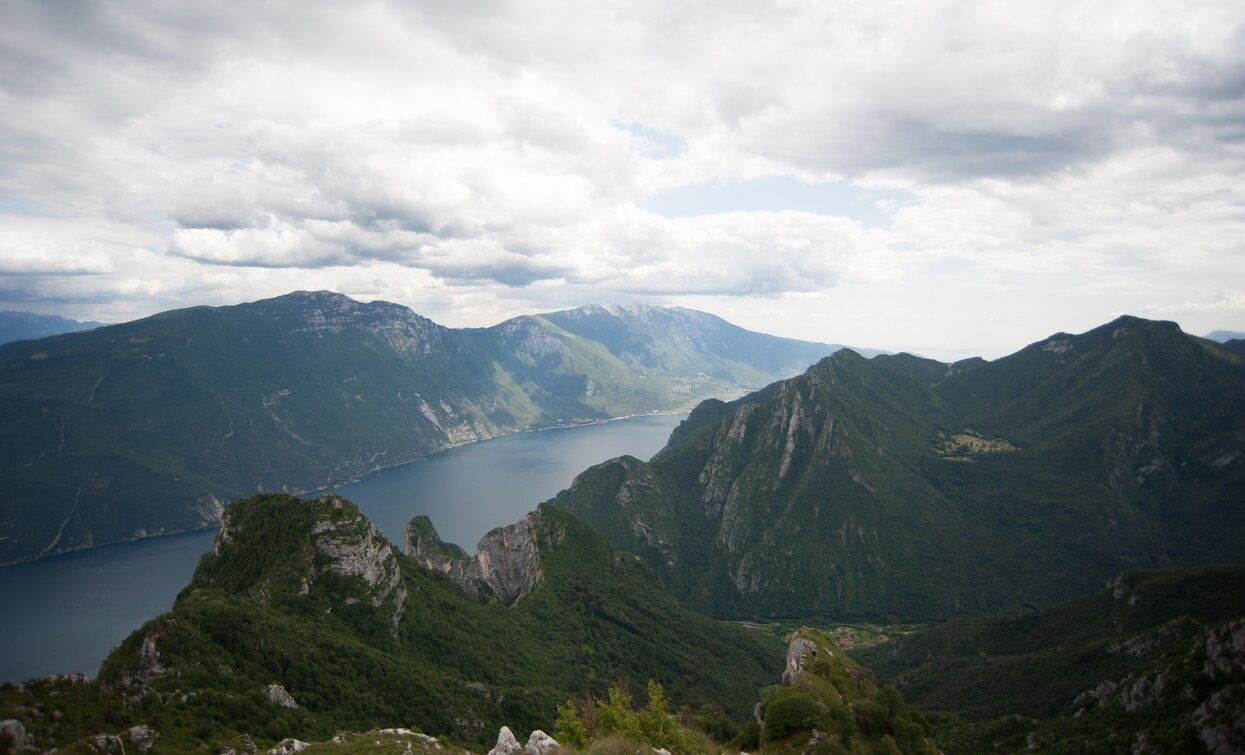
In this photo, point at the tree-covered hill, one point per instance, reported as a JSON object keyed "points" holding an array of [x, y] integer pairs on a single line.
{"points": [[308, 595], [905, 488], [149, 426], [1153, 663]]}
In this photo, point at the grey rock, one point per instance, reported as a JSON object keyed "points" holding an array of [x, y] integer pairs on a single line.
{"points": [[506, 567], [288, 746], [277, 695], [539, 743], [142, 736], [18, 740], [403, 732], [799, 649], [1220, 721], [506, 743]]}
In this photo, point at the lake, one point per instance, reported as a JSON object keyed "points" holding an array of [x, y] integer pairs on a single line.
{"points": [[64, 614]]}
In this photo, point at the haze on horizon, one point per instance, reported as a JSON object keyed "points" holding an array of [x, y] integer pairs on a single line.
{"points": [[950, 178]]}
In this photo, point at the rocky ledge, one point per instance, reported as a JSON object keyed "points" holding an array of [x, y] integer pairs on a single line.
{"points": [[506, 566]]}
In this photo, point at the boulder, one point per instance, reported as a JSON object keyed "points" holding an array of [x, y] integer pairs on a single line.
{"points": [[142, 736], [506, 743], [13, 734], [539, 743]]}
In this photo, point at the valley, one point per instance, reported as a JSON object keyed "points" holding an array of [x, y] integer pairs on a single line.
{"points": [[926, 542]]}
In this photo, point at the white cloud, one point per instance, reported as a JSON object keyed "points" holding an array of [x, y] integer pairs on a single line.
{"points": [[485, 160]]}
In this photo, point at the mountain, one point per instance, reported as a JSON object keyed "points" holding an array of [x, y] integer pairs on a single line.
{"points": [[1223, 336], [21, 326], [687, 343], [148, 427], [902, 488], [1153, 663], [303, 621]]}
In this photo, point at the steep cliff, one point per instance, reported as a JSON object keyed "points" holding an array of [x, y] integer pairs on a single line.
{"points": [[505, 568]]}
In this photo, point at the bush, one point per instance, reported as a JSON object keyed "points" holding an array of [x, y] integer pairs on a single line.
{"points": [[601, 722], [789, 711]]}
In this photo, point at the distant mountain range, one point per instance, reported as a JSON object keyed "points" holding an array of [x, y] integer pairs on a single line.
{"points": [[1223, 336], [20, 326], [151, 426], [902, 488]]}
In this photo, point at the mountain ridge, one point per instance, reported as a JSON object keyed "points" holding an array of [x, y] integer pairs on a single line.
{"points": [[303, 621], [880, 488], [24, 326], [148, 427]]}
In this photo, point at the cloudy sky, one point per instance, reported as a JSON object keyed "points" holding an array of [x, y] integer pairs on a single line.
{"points": [[948, 178]]}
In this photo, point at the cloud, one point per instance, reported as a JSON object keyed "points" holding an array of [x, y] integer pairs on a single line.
{"points": [[505, 154]]}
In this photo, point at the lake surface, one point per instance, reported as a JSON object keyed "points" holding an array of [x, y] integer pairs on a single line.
{"points": [[63, 615]]}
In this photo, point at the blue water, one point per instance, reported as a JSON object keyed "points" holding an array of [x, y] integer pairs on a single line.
{"points": [[64, 614]]}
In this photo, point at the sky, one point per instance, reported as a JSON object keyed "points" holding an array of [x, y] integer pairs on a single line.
{"points": [[949, 178]]}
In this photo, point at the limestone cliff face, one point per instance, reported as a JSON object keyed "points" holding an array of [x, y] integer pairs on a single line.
{"points": [[352, 546], [334, 539], [506, 566]]}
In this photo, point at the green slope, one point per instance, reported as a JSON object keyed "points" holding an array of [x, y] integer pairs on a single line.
{"points": [[904, 488], [147, 427], [1156, 659], [308, 595]]}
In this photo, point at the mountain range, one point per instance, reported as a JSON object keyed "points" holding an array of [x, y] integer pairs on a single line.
{"points": [[21, 326], [894, 489], [151, 426], [902, 488]]}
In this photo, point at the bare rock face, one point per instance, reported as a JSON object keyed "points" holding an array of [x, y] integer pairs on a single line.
{"points": [[509, 559], [354, 547], [277, 695], [799, 649], [506, 567], [506, 743], [147, 665]]}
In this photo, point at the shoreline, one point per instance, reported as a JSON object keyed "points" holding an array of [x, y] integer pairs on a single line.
{"points": [[339, 485]]}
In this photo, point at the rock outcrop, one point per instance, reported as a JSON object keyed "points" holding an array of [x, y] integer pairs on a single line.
{"points": [[506, 566], [354, 547], [142, 736], [506, 743], [539, 743], [799, 649], [277, 695], [13, 736], [289, 746]]}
